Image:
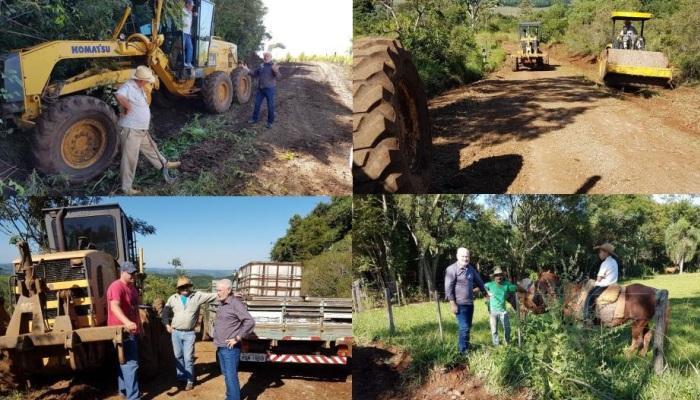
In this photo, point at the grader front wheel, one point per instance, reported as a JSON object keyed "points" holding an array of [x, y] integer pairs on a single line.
{"points": [[76, 137], [391, 128], [217, 92]]}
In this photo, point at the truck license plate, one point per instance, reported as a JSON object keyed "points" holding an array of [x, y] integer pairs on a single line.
{"points": [[253, 357]]}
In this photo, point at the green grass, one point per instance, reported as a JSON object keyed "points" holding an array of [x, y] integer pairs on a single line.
{"points": [[342, 59], [417, 333]]}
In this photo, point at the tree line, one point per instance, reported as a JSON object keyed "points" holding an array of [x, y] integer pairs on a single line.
{"points": [[322, 241], [25, 23], [407, 241]]}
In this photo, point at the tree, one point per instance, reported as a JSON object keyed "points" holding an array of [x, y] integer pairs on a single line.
{"points": [[22, 218], [241, 22], [176, 263], [478, 10], [681, 242], [329, 274], [311, 235]]}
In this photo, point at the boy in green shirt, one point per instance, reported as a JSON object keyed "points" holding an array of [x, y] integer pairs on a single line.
{"points": [[499, 289]]}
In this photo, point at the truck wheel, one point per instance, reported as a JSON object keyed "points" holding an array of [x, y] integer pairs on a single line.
{"points": [[391, 126], [242, 85], [217, 92], [77, 137]]}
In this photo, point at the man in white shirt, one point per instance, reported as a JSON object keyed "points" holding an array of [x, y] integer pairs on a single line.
{"points": [[134, 121], [187, 32], [607, 275]]}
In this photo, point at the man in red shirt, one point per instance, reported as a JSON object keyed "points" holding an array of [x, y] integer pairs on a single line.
{"points": [[123, 299]]}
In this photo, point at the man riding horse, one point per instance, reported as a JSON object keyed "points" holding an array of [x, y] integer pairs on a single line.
{"points": [[607, 275]]}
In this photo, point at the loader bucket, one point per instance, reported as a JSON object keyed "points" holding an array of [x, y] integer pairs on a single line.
{"points": [[620, 66]]}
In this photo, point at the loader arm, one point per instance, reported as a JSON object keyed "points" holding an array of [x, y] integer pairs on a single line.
{"points": [[38, 62]]}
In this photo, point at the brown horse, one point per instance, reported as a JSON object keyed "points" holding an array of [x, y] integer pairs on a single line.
{"points": [[636, 303]]}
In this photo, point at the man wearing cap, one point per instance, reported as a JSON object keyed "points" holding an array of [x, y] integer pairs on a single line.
{"points": [[267, 73], [123, 300], [232, 324], [499, 289], [460, 281], [134, 122], [607, 275], [184, 307]]}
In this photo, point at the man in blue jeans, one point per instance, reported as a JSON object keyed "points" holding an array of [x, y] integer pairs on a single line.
{"points": [[460, 281], [232, 324], [123, 300], [184, 307], [187, 14], [267, 74]]}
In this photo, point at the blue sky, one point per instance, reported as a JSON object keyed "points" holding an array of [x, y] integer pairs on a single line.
{"points": [[206, 232]]}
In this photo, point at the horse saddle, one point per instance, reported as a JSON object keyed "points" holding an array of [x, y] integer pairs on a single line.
{"points": [[607, 305]]}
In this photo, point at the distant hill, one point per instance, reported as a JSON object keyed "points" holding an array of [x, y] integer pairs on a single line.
{"points": [[5, 269], [214, 273]]}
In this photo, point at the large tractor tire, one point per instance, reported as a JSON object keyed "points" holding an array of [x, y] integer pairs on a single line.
{"points": [[391, 127], [217, 92], [76, 137], [242, 85]]}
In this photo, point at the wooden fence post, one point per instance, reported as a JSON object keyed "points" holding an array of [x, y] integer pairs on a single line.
{"points": [[439, 314], [660, 331], [357, 296], [389, 313]]}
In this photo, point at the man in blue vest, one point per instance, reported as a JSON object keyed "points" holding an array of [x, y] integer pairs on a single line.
{"points": [[460, 281]]}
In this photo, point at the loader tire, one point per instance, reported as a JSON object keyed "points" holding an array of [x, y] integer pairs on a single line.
{"points": [[242, 85], [391, 127], [217, 92], [76, 137]]}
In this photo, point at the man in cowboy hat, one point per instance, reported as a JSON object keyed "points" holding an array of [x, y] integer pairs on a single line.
{"points": [[460, 281], [499, 289], [134, 120], [123, 300], [184, 307], [607, 275]]}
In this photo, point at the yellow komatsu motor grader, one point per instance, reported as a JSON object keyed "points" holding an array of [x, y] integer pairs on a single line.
{"points": [[76, 133], [60, 308]]}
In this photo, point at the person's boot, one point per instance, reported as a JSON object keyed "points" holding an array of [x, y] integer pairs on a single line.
{"points": [[132, 192], [173, 164], [189, 386]]}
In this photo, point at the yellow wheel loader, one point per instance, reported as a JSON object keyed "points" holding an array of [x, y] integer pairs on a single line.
{"points": [[75, 131], [59, 320], [529, 53], [625, 61]]}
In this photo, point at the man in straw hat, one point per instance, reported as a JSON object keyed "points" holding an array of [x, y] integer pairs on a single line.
{"points": [[134, 121], [461, 278], [499, 289], [607, 275], [184, 307]]}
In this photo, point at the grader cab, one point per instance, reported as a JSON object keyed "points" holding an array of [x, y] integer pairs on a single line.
{"points": [[59, 297], [75, 130], [529, 53], [625, 61]]}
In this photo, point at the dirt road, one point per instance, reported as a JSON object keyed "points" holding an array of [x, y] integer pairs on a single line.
{"points": [[556, 131], [305, 152], [263, 382]]}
